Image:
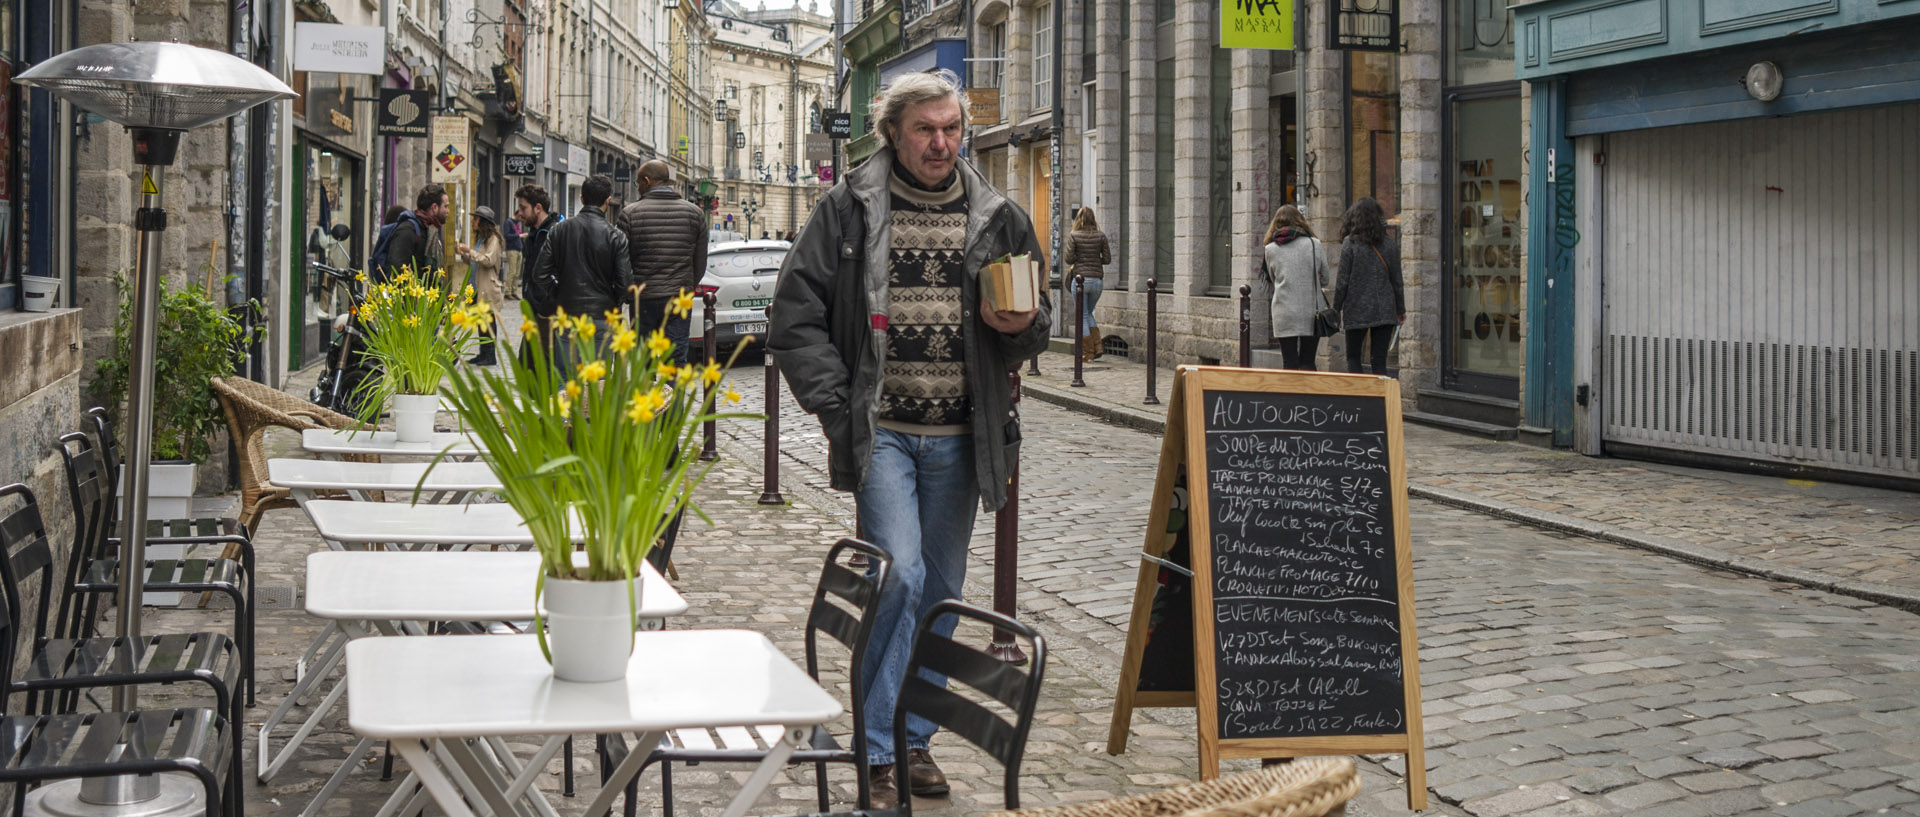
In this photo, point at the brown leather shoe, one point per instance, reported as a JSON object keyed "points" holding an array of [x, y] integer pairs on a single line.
{"points": [[923, 777], [882, 789]]}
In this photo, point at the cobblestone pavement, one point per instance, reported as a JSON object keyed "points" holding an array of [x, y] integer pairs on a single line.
{"points": [[1858, 541], [1562, 675]]}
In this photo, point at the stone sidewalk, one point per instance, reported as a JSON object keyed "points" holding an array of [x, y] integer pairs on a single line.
{"points": [[1860, 542]]}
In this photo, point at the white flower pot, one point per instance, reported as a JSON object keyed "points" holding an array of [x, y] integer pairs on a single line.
{"points": [[413, 416], [590, 628], [38, 292], [169, 496]]}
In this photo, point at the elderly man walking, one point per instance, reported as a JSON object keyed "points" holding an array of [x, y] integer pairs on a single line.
{"points": [[879, 325]]}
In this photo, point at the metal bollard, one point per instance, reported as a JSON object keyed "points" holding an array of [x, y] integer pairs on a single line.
{"points": [[1006, 552], [1153, 340], [770, 471], [708, 453], [1079, 327], [1246, 326]]}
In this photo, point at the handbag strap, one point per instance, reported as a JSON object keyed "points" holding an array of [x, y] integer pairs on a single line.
{"points": [[1319, 267]]}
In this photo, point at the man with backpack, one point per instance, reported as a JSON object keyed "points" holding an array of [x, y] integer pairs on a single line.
{"points": [[413, 241]]}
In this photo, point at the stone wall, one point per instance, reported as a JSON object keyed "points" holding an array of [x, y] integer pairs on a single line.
{"points": [[39, 401]]}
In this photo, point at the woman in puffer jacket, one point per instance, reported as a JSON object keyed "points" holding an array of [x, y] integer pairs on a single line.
{"points": [[1088, 254]]}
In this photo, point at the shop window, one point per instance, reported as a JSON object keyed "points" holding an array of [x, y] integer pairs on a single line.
{"points": [[1482, 43], [1373, 129]]}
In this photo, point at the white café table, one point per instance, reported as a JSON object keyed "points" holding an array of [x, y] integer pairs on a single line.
{"points": [[447, 482], [427, 695], [367, 593], [338, 443]]}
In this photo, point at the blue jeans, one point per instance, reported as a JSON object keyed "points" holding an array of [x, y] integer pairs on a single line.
{"points": [[917, 505], [652, 312], [1094, 286]]}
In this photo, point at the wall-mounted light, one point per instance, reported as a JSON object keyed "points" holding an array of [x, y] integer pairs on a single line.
{"points": [[1763, 81]]}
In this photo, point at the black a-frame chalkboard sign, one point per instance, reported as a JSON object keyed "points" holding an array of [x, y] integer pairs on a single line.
{"points": [[1276, 582]]}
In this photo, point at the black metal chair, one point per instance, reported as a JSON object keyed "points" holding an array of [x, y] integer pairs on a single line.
{"points": [[92, 573], [46, 747], [1013, 688], [845, 603]]}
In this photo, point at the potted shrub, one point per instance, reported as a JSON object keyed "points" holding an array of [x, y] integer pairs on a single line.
{"points": [[197, 339], [417, 326], [597, 442]]}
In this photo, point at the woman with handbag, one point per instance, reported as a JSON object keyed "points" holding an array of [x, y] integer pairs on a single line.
{"points": [[1369, 295], [484, 257], [1296, 266]]}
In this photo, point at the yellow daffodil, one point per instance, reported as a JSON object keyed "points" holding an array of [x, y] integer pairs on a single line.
{"points": [[624, 340], [732, 396], [468, 291], [668, 371], [639, 409], [412, 320], [683, 375], [682, 304], [658, 344], [562, 403], [592, 371], [585, 327], [613, 317], [711, 374], [529, 328], [573, 390], [460, 319], [360, 276]]}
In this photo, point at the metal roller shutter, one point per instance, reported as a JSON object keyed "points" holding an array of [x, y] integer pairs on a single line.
{"points": [[1762, 289]]}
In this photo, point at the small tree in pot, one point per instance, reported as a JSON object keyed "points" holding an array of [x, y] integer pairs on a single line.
{"points": [[196, 340]]}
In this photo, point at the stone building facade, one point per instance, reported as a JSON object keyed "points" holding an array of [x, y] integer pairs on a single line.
{"points": [[772, 68]]}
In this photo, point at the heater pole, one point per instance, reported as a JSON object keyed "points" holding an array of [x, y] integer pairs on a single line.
{"points": [[150, 220]]}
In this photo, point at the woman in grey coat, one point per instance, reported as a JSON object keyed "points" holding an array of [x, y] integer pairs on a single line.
{"points": [[1369, 296], [1296, 266]]}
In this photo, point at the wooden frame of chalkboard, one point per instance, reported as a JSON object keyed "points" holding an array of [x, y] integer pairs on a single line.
{"points": [[1291, 539]]}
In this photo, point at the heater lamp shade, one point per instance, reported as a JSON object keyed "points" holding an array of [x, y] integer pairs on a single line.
{"points": [[172, 86]]}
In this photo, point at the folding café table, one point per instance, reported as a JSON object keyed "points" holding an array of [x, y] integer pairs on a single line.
{"points": [[430, 695], [339, 443], [447, 482]]}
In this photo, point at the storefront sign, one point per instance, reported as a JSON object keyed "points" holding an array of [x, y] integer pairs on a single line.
{"points": [[404, 112], [1365, 25], [449, 149], [339, 49], [819, 148], [578, 161], [520, 164], [1256, 24], [839, 125]]}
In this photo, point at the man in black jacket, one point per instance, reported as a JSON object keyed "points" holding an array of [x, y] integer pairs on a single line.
{"points": [[416, 239], [667, 241], [583, 266], [533, 208]]}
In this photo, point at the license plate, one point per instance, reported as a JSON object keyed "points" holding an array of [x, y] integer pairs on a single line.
{"points": [[751, 328]]}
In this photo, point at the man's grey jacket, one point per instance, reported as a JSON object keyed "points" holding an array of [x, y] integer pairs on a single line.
{"points": [[829, 322]]}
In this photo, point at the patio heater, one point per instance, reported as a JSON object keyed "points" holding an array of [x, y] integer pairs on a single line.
{"points": [[158, 91]]}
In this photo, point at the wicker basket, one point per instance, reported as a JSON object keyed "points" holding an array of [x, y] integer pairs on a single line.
{"points": [[1307, 787]]}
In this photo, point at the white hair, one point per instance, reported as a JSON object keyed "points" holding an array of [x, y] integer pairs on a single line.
{"points": [[913, 89]]}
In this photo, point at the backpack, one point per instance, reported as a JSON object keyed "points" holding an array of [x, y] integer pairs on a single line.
{"points": [[378, 261], [539, 294]]}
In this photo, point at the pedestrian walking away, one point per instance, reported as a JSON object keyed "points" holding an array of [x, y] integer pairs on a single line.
{"points": [[1088, 254], [414, 242], [516, 253], [1295, 265], [667, 245], [484, 259], [583, 267], [1368, 295], [879, 326]]}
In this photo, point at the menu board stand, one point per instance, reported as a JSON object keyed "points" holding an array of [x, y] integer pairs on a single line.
{"points": [[1280, 510]]}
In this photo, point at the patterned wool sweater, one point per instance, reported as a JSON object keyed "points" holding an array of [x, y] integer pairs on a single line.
{"points": [[924, 378]]}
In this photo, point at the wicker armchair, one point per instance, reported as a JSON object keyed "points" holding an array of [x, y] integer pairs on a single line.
{"points": [[1307, 787], [251, 409]]}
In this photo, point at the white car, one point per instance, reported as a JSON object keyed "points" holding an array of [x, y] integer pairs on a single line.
{"points": [[741, 276]]}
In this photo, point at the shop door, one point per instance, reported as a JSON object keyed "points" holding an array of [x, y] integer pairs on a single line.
{"points": [[1760, 290], [1484, 289]]}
